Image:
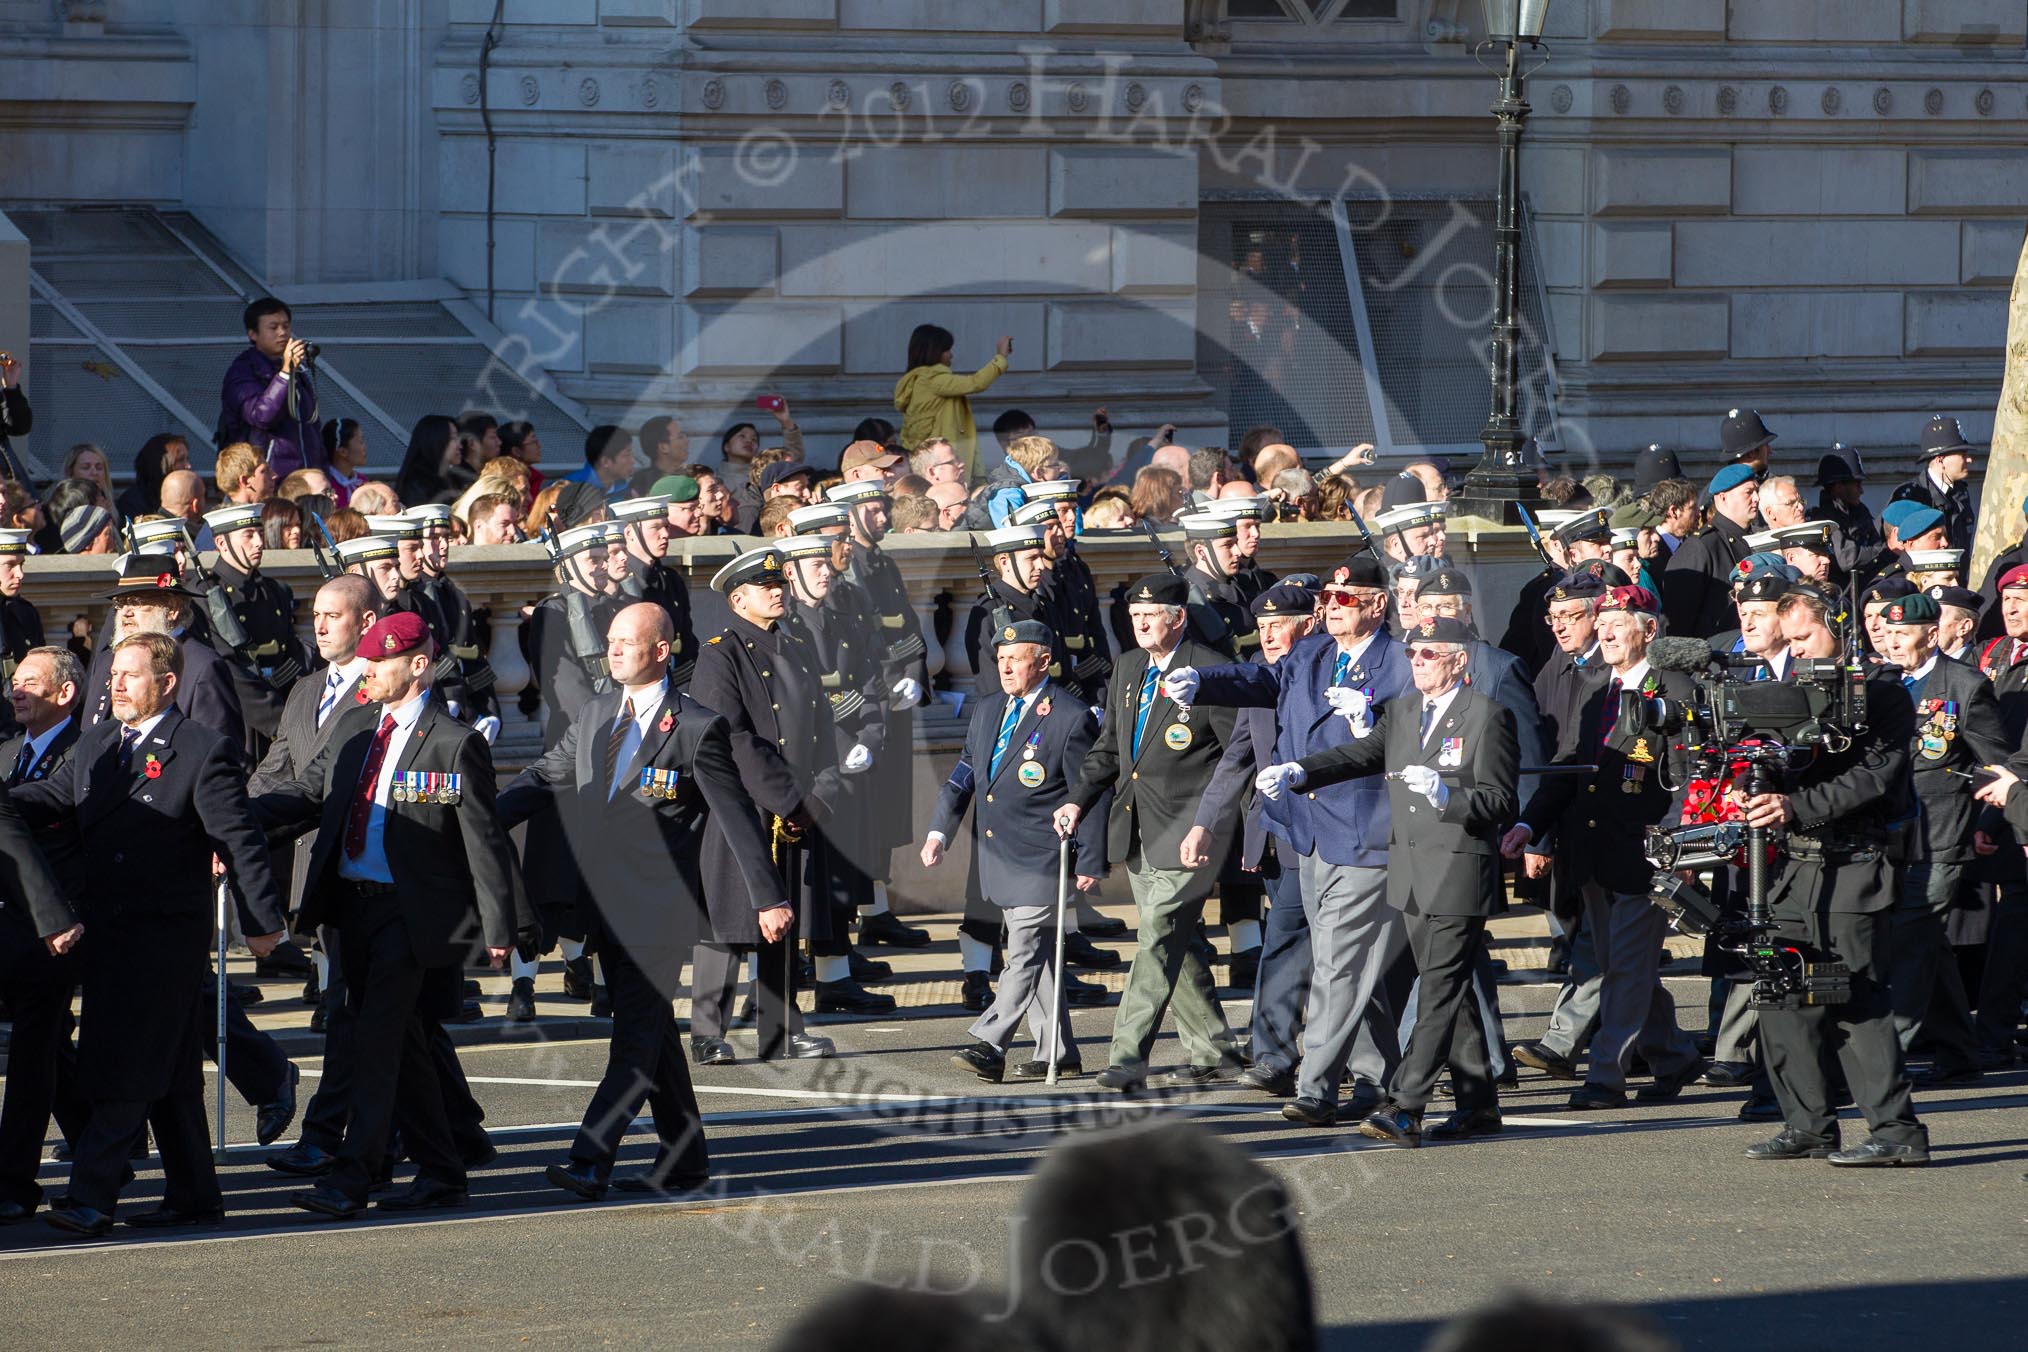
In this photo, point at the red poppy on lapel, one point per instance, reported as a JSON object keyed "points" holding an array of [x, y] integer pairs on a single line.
{"points": [[668, 721], [153, 769], [360, 693]]}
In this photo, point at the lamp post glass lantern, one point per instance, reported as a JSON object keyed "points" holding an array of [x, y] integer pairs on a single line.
{"points": [[1504, 479]]}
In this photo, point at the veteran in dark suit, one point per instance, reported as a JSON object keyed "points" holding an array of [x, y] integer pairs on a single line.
{"points": [[153, 797], [1157, 757], [644, 772], [762, 679], [149, 597], [1595, 825], [1452, 762], [412, 866], [1023, 753], [38, 976]]}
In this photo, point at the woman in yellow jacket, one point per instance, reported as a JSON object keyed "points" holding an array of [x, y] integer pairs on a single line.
{"points": [[932, 399]]}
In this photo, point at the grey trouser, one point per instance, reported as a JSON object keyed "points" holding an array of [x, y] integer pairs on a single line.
{"points": [[1027, 987], [1354, 936], [1634, 1007]]}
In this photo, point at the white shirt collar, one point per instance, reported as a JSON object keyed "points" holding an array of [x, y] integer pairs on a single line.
{"points": [[409, 714], [1926, 667], [649, 702], [1358, 648], [146, 725], [1937, 479], [1440, 704], [38, 745], [1632, 680]]}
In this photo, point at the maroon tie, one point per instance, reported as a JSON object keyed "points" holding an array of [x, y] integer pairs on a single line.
{"points": [[362, 799]]}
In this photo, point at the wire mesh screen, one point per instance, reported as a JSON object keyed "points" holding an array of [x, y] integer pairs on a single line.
{"points": [[46, 321], [1275, 334], [392, 320], [182, 317], [1426, 268], [78, 394], [91, 230], [111, 278], [412, 381]]}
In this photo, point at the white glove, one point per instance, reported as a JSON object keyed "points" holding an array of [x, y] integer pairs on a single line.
{"points": [[908, 690], [1274, 779], [856, 760], [1425, 781], [1181, 685], [487, 727], [1355, 705], [451, 707]]}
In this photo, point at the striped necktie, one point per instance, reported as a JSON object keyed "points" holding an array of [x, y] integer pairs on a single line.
{"points": [[332, 684], [1340, 667], [616, 739], [1147, 702], [1007, 726]]}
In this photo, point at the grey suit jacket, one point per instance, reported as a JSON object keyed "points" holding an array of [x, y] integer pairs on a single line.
{"points": [[295, 746], [1439, 862]]}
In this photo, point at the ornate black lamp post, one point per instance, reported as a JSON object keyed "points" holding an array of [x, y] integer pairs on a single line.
{"points": [[1503, 479]]}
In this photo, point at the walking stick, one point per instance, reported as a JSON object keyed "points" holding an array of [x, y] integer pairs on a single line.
{"points": [[223, 918], [1064, 848]]}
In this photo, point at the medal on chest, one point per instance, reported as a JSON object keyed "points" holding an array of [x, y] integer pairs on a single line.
{"points": [[659, 784], [1633, 778], [1451, 752], [1030, 774]]}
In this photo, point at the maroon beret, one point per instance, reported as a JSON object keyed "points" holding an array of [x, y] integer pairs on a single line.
{"points": [[397, 635]]}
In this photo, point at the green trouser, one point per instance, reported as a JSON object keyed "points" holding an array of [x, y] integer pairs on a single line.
{"points": [[1166, 970]]}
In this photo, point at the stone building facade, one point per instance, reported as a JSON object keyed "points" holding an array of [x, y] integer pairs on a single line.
{"points": [[1175, 207]]}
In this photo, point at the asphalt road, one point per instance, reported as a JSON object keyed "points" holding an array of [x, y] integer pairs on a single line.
{"points": [[888, 1163]]}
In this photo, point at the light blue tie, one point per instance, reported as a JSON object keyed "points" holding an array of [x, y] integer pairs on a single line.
{"points": [[1340, 667], [1006, 735], [1908, 684], [1147, 702], [331, 684]]}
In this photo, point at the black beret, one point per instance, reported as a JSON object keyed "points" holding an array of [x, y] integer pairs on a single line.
{"points": [[1887, 589], [1442, 629], [1159, 589], [1361, 570], [1024, 631], [1284, 599]]}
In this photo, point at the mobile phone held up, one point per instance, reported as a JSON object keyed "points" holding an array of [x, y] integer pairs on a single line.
{"points": [[770, 403]]}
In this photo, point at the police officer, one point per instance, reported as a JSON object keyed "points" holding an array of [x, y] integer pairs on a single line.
{"points": [[1831, 897], [1841, 500], [762, 679], [1944, 482], [1023, 754], [1695, 585], [264, 654], [645, 535], [20, 621], [828, 617], [1452, 761], [1957, 728], [1745, 439], [1157, 757], [890, 785]]}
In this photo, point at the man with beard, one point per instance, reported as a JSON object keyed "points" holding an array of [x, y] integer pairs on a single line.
{"points": [[645, 771]]}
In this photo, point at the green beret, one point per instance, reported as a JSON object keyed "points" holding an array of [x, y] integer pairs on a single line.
{"points": [[675, 487]]}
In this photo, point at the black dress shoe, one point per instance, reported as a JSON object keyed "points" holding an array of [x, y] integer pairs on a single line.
{"points": [[601, 1003], [1084, 994], [1559, 957], [712, 1051], [274, 1118], [1126, 1077], [479, 1153], [811, 1047], [886, 928], [1538, 1057], [1463, 1125], [650, 1181], [1876, 1153], [1393, 1124], [164, 1218], [1587, 1097], [285, 959], [981, 1060], [1663, 1088], [1195, 1077], [865, 969], [313, 989], [1311, 1112], [1079, 951], [303, 1160], [82, 1221], [245, 996], [1792, 1145], [424, 1194], [1269, 1080], [1757, 1109], [849, 997], [320, 1021], [1039, 1070], [1365, 1097], [326, 1200], [521, 1000], [1510, 1078], [1728, 1074], [977, 992], [1105, 927], [586, 1181], [469, 1012], [13, 1213], [1245, 970], [577, 979]]}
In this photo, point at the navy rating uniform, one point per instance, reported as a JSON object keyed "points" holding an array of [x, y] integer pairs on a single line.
{"points": [[650, 578], [20, 621], [269, 656], [1069, 588], [1023, 754], [463, 677], [1007, 601], [648, 773], [762, 678]]}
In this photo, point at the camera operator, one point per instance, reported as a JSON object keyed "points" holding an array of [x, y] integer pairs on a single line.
{"points": [[1957, 729], [269, 398], [1830, 896]]}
